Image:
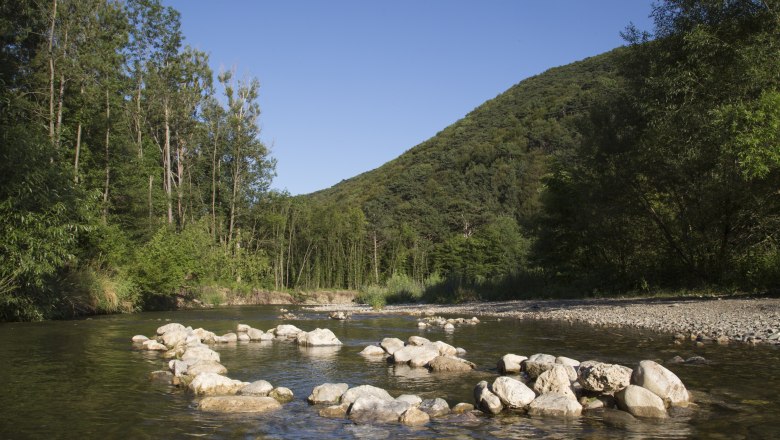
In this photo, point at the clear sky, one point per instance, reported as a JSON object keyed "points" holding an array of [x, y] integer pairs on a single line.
{"points": [[349, 85]]}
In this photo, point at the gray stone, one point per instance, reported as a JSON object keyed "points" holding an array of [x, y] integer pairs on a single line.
{"points": [[555, 380], [318, 338], [287, 331], [335, 411], [161, 376], [418, 340], [512, 392], [511, 363], [662, 382], [414, 417], [641, 402], [178, 367], [153, 345], [555, 405], [206, 366], [256, 388], [543, 358], [238, 404], [140, 338], [229, 337], [242, 328], [485, 400], [536, 368], [445, 349], [370, 409], [390, 345], [604, 378], [411, 399], [212, 383], [281, 394], [255, 334], [435, 407], [353, 394], [416, 356], [200, 353], [449, 364], [373, 350], [462, 408], [170, 327], [327, 393]]}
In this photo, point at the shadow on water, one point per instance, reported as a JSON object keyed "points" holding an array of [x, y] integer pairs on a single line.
{"points": [[84, 379]]}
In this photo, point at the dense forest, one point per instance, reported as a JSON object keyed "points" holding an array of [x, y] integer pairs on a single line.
{"points": [[131, 174]]}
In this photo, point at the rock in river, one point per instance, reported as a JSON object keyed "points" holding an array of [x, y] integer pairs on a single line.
{"points": [[238, 404], [486, 400], [512, 392], [370, 409], [450, 364], [662, 382], [327, 393], [603, 377], [511, 363], [318, 338], [256, 388], [641, 402], [353, 394], [212, 383], [556, 405]]}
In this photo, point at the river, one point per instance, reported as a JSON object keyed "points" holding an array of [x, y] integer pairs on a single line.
{"points": [[84, 379]]}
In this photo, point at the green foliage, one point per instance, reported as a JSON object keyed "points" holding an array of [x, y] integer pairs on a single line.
{"points": [[374, 296]]}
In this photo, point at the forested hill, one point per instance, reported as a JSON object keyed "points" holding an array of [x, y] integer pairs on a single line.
{"points": [[488, 164]]}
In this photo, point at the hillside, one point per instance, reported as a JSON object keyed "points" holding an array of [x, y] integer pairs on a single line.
{"points": [[488, 164]]}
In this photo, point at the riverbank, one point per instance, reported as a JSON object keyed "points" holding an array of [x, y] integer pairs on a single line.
{"points": [[719, 320]]}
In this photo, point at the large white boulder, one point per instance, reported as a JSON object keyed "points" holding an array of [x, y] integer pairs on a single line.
{"points": [[662, 382], [318, 338], [511, 363], [512, 392], [641, 402], [604, 378], [555, 380], [213, 383], [414, 355], [450, 364], [206, 366], [486, 400], [370, 409], [256, 388], [390, 345], [353, 394], [199, 353], [170, 327], [286, 331], [327, 393]]}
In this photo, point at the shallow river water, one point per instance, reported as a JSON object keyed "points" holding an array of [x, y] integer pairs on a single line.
{"points": [[83, 379]]}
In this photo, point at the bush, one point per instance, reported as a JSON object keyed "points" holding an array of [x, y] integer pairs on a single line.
{"points": [[374, 296]]}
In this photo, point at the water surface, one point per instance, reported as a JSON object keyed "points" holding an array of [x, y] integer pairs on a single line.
{"points": [[83, 379]]}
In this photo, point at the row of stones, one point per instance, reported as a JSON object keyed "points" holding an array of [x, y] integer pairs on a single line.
{"points": [[197, 367], [437, 356]]}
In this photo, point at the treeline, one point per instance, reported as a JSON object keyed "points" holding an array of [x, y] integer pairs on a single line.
{"points": [[130, 174]]}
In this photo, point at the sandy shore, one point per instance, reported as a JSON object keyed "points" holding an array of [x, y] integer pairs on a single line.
{"points": [[748, 320]]}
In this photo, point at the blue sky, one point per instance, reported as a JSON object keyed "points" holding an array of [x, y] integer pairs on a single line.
{"points": [[349, 85]]}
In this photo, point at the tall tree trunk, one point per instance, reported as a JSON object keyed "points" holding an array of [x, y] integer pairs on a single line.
{"points": [[179, 179], [167, 178], [214, 185], [138, 124], [78, 151], [376, 261], [108, 166], [51, 72], [151, 212]]}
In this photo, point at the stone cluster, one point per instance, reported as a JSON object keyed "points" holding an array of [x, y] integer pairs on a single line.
{"points": [[369, 404], [547, 385], [448, 324], [420, 352]]}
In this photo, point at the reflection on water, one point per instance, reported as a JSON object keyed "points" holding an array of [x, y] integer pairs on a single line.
{"points": [[84, 379]]}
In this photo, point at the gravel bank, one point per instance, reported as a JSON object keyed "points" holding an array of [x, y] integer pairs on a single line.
{"points": [[748, 320]]}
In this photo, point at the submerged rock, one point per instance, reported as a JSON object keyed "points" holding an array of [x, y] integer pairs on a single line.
{"points": [[371, 409], [556, 405], [282, 394], [450, 364], [334, 411], [238, 404], [462, 408], [140, 338], [153, 345], [414, 417], [373, 350], [435, 407]]}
